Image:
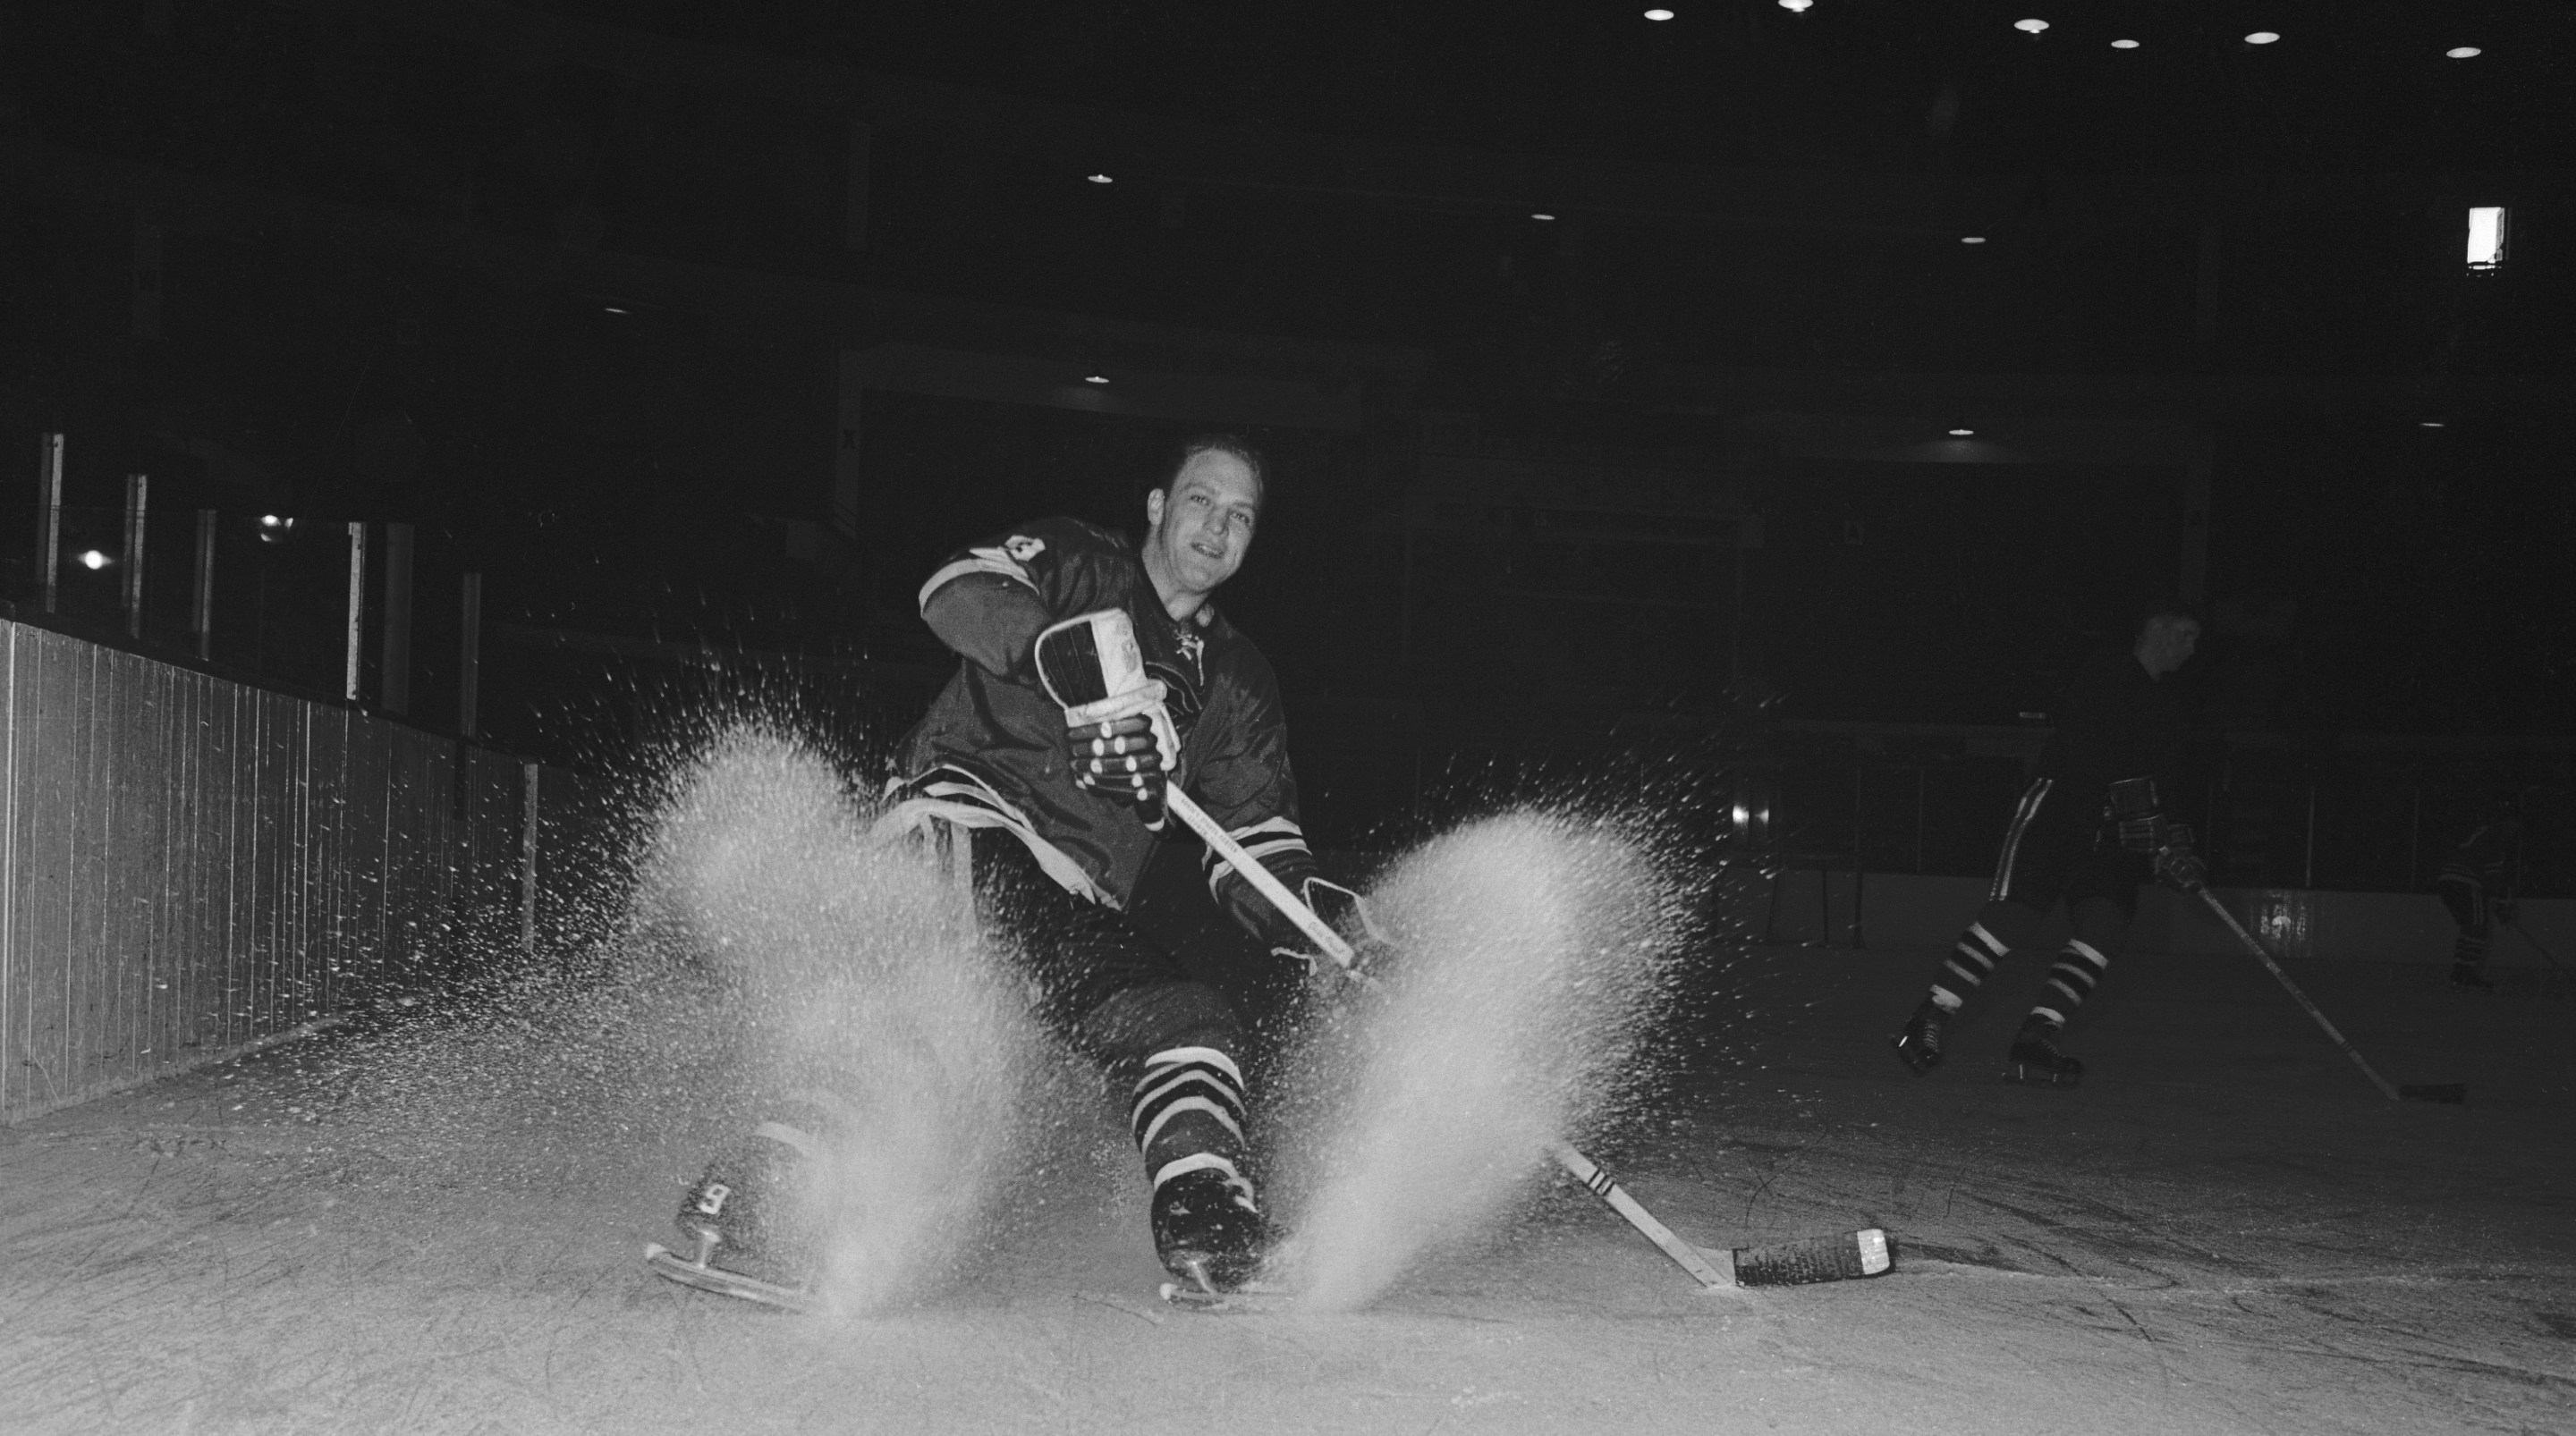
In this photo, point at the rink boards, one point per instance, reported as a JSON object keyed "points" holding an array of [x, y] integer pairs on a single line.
{"points": [[194, 865]]}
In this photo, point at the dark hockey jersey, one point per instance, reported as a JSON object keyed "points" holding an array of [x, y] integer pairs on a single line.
{"points": [[2115, 722], [991, 750]]}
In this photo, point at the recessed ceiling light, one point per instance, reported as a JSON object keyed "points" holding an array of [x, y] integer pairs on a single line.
{"points": [[1095, 378], [2124, 44], [2428, 423], [1961, 433], [2030, 27], [613, 309], [1100, 179], [1972, 239], [2464, 52], [1541, 214], [1797, 7], [2261, 37], [1659, 14]]}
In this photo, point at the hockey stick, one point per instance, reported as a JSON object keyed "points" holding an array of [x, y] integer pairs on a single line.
{"points": [[1836, 1258], [2451, 1092], [2534, 944]]}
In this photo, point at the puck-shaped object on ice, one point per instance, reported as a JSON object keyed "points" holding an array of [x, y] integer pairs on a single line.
{"points": [[1841, 1257]]}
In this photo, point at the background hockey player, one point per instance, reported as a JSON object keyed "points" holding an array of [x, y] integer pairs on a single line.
{"points": [[2475, 886], [1069, 816], [2090, 828]]}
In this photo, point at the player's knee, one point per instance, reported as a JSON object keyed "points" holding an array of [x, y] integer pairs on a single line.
{"points": [[1130, 1025], [2010, 923]]}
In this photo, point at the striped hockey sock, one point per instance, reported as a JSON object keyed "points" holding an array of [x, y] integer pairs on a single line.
{"points": [[1188, 1115], [1972, 960], [2469, 949], [2071, 979]]}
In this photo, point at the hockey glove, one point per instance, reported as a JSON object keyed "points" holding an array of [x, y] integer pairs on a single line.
{"points": [[1124, 747], [2139, 815], [2177, 865]]}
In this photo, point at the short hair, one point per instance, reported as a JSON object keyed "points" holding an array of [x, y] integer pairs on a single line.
{"points": [[1233, 445], [2166, 609]]}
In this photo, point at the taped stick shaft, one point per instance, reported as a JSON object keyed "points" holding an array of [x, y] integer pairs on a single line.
{"points": [[1589, 1173], [1250, 870], [2263, 955]]}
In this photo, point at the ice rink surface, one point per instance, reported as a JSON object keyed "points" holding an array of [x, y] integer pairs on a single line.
{"points": [[2227, 1230]]}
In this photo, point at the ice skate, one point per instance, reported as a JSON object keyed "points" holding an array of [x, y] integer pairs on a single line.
{"points": [[1918, 1046], [2465, 977], [1209, 1231], [747, 1227], [2035, 1059]]}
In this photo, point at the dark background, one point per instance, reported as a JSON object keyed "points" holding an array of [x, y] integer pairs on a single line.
{"points": [[564, 286]]}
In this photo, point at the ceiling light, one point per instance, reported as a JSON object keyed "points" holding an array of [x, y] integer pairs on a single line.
{"points": [[1961, 433], [2464, 52], [1972, 239], [2261, 37], [2124, 44], [613, 309], [1541, 214], [93, 560], [1095, 378], [2487, 225], [2030, 27], [1659, 14], [2428, 423], [1797, 7], [1100, 179]]}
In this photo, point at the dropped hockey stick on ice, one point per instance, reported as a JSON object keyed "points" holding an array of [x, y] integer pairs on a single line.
{"points": [[672, 1266], [2450, 1092], [1840, 1257]]}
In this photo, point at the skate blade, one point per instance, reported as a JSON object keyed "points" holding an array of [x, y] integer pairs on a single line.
{"points": [[2033, 1077], [1918, 1062], [1250, 1299], [672, 1266]]}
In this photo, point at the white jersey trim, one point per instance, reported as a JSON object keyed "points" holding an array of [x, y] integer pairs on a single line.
{"points": [[977, 560], [952, 795]]}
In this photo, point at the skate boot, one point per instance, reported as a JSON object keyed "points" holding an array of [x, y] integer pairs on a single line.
{"points": [[1919, 1045], [2034, 1057], [749, 1227], [1208, 1229]]}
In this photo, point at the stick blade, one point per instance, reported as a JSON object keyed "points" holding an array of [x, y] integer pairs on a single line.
{"points": [[2452, 1093], [1845, 1256]]}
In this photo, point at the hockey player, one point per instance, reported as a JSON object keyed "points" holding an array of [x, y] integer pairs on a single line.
{"points": [[2088, 830], [1070, 814], [2473, 886]]}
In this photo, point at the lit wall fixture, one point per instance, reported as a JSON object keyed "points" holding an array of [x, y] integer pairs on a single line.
{"points": [[2463, 52], [1659, 14], [1963, 433], [2262, 37], [1095, 378], [2488, 224], [2030, 27], [1100, 179], [1797, 7], [1541, 215], [2124, 44], [1972, 239]]}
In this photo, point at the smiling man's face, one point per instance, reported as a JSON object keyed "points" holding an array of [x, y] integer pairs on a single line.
{"points": [[1198, 528]]}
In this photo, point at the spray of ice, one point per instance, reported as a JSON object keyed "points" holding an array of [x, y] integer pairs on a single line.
{"points": [[1534, 948], [858, 971]]}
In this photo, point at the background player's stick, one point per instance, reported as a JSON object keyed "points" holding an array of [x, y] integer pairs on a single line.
{"points": [[2534, 944], [2428, 1092], [1835, 1258]]}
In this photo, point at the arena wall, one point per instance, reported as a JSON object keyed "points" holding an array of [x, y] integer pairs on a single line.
{"points": [[195, 867]]}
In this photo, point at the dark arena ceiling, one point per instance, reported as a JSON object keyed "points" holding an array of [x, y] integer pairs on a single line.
{"points": [[1921, 85]]}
